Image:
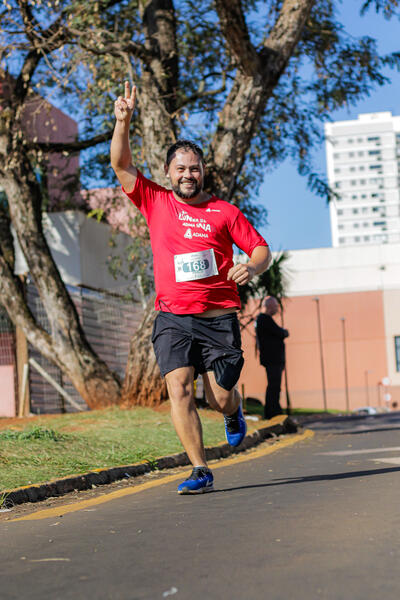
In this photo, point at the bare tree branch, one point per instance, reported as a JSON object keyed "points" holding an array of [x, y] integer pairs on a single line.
{"points": [[287, 30], [71, 147], [115, 48], [234, 30], [202, 93], [42, 42], [249, 94]]}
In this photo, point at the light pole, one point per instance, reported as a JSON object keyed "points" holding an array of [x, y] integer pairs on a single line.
{"points": [[288, 405], [321, 352], [366, 372], [346, 381]]}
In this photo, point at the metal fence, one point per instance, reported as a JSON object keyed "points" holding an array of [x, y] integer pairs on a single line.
{"points": [[108, 319]]}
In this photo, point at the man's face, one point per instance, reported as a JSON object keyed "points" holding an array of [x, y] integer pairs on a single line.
{"points": [[186, 173]]}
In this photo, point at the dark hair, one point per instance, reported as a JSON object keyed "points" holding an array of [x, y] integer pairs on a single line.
{"points": [[186, 145]]}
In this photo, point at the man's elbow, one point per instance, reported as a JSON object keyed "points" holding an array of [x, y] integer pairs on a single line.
{"points": [[269, 257]]}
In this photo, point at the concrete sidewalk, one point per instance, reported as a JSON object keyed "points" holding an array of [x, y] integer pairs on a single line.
{"points": [[279, 425]]}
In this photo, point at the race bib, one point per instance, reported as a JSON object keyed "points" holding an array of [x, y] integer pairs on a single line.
{"points": [[195, 265]]}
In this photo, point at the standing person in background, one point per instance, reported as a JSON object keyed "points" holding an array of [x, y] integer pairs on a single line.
{"points": [[196, 330], [270, 340]]}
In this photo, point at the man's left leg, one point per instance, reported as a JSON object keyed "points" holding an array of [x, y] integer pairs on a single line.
{"points": [[227, 402]]}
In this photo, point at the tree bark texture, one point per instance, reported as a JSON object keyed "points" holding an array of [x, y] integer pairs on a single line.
{"points": [[158, 84], [143, 384]]}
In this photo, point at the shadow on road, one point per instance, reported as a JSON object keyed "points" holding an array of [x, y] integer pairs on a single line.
{"points": [[357, 431], [313, 478]]}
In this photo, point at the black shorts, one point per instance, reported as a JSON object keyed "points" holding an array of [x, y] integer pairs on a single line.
{"points": [[207, 344]]}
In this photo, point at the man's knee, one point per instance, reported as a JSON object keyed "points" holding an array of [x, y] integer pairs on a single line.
{"points": [[180, 385], [219, 398]]}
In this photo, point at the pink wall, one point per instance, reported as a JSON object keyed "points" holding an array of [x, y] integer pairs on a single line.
{"points": [[45, 123], [366, 351], [7, 399]]}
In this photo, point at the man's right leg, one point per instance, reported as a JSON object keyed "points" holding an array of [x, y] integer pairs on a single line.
{"points": [[188, 427], [184, 414]]}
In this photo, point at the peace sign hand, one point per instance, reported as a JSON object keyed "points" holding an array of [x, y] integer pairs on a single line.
{"points": [[124, 107]]}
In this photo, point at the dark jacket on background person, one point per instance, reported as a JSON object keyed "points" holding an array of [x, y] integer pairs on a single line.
{"points": [[270, 340]]}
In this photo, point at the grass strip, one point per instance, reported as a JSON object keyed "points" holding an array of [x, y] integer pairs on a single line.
{"points": [[55, 446]]}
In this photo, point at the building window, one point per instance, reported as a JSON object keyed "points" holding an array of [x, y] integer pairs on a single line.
{"points": [[357, 238], [340, 212], [355, 211], [341, 240], [356, 225], [350, 141], [366, 238], [351, 154], [373, 139], [397, 351], [352, 169], [373, 152]]}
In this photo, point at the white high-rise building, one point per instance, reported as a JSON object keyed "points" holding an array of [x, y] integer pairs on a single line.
{"points": [[363, 162]]}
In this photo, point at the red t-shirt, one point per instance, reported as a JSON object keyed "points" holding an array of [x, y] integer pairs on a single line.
{"points": [[204, 233]]}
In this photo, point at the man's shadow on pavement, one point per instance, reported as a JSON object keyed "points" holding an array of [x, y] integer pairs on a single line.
{"points": [[358, 431], [312, 478]]}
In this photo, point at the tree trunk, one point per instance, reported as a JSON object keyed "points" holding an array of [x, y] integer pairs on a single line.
{"points": [[65, 344], [143, 384]]}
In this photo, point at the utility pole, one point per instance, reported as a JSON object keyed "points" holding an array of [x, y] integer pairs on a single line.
{"points": [[346, 381], [316, 299]]}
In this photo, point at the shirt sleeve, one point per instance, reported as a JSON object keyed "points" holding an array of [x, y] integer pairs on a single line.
{"points": [[144, 194], [244, 235]]}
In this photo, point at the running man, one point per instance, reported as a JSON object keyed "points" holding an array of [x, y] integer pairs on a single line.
{"points": [[196, 329]]}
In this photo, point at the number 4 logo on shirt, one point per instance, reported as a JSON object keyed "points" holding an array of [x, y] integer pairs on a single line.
{"points": [[188, 234]]}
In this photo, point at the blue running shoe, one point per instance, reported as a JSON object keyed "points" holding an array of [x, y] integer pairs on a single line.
{"points": [[235, 427], [201, 480]]}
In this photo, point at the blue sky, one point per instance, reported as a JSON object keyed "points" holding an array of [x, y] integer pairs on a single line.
{"points": [[296, 217]]}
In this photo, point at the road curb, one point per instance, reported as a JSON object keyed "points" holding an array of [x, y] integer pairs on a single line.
{"points": [[60, 487]]}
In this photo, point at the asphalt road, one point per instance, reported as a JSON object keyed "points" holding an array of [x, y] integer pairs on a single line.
{"points": [[318, 519]]}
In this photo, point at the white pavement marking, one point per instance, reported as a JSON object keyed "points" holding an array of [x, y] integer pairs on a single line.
{"points": [[393, 461], [366, 451]]}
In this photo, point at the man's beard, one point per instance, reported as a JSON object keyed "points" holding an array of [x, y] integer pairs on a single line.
{"points": [[189, 194]]}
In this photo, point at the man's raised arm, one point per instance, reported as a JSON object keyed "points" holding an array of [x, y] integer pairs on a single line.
{"points": [[121, 157]]}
